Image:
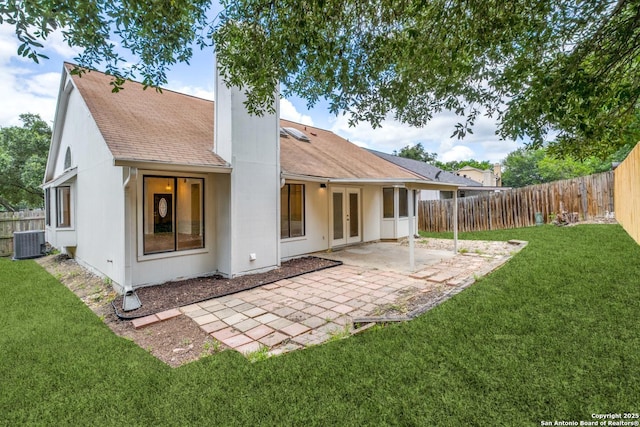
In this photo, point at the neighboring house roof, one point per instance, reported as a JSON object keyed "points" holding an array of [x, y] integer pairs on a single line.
{"points": [[145, 125], [427, 171], [174, 128]]}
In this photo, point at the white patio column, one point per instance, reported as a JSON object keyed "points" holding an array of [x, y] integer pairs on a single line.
{"points": [[412, 219], [455, 221]]}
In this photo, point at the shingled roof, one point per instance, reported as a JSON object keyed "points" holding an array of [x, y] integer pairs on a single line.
{"points": [[329, 156], [145, 125], [174, 128], [428, 171]]}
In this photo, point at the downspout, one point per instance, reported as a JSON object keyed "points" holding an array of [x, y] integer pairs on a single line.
{"points": [[278, 187], [130, 300], [329, 220]]}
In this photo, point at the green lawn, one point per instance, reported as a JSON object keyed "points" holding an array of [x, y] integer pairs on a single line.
{"points": [[552, 335]]}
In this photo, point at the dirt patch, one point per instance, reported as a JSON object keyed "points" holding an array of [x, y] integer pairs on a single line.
{"points": [[480, 247], [179, 340]]}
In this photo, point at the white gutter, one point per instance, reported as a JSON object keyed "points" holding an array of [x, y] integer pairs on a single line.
{"points": [[297, 177], [166, 166], [414, 183], [409, 183]]}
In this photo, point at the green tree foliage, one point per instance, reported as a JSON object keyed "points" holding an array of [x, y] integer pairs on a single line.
{"points": [[528, 167], [549, 67], [23, 158], [459, 164], [416, 152]]}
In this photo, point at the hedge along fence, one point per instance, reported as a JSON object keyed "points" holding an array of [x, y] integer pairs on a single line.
{"points": [[588, 196], [627, 185], [18, 221]]}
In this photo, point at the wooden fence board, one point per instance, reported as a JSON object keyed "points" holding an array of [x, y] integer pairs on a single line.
{"points": [[627, 193], [589, 197]]}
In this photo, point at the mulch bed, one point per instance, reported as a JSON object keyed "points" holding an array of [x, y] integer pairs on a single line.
{"points": [[184, 292]]}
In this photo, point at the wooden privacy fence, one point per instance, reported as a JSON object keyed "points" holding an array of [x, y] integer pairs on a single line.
{"points": [[590, 196], [627, 183], [18, 221]]}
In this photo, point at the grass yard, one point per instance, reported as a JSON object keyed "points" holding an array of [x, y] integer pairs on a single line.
{"points": [[552, 335]]}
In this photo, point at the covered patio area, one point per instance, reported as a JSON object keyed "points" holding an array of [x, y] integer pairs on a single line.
{"points": [[389, 256]]}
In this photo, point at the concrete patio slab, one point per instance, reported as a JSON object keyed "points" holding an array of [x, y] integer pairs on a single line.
{"points": [[388, 256]]}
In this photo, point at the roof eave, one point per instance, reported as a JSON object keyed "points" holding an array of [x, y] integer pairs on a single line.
{"points": [[65, 178], [483, 188], [406, 182], [64, 91], [171, 166]]}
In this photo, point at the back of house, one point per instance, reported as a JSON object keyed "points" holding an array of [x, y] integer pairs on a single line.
{"points": [[145, 187]]}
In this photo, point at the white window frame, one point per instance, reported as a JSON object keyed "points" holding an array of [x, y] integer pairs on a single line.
{"points": [[140, 215]]}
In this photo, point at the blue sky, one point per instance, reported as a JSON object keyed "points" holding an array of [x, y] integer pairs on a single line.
{"points": [[32, 88]]}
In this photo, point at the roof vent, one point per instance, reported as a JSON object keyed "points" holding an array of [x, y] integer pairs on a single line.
{"points": [[297, 134], [283, 133]]}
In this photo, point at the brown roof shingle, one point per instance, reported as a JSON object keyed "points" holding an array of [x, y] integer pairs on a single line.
{"points": [[170, 127], [329, 156], [145, 125]]}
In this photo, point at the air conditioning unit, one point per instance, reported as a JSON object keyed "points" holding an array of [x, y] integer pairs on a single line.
{"points": [[28, 244]]}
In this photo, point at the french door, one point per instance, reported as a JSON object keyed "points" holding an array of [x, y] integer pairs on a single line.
{"points": [[346, 218]]}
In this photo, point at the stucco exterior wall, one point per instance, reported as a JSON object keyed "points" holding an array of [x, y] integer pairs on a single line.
{"points": [[316, 227], [318, 224], [371, 213], [96, 195], [252, 145]]}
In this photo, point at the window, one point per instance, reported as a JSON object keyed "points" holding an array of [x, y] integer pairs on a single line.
{"points": [[63, 204], [67, 158], [403, 203], [47, 206], [173, 214], [291, 211], [388, 210]]}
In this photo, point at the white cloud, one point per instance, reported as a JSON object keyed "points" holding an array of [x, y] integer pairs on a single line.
{"points": [[57, 44], [198, 91], [391, 136], [23, 90], [483, 144], [457, 152], [289, 112]]}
